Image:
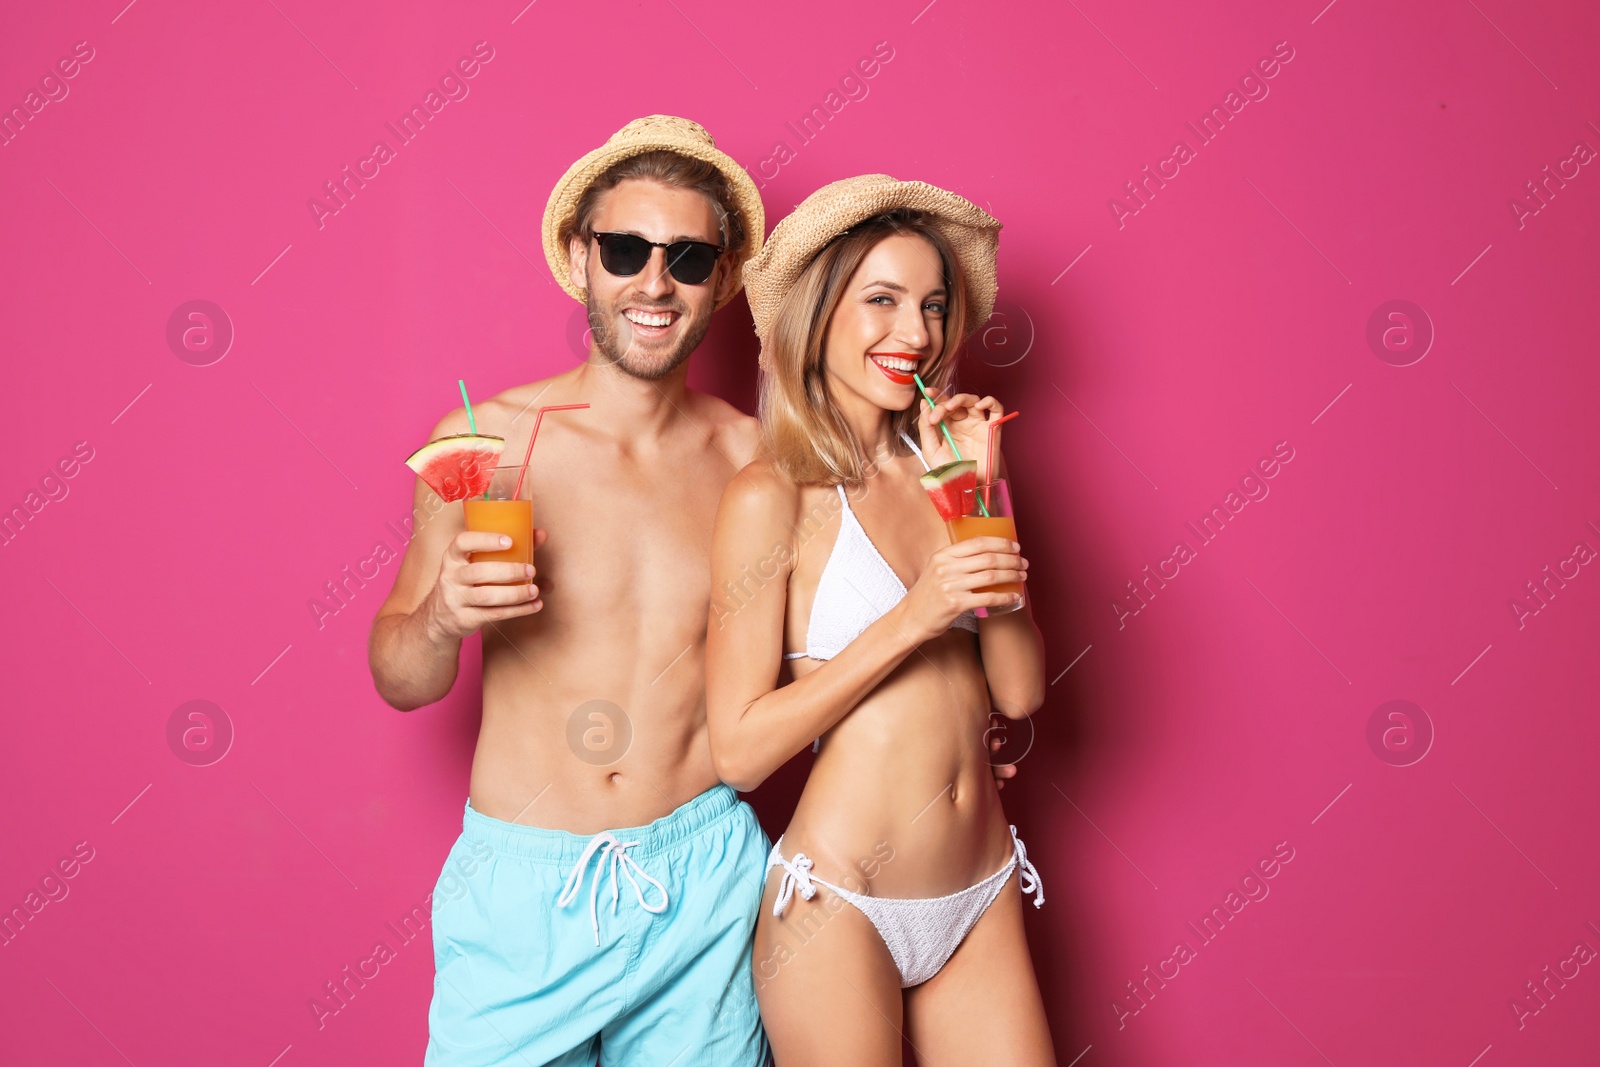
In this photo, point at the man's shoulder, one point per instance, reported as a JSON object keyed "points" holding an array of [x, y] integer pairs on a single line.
{"points": [[497, 414], [720, 412], [738, 435]]}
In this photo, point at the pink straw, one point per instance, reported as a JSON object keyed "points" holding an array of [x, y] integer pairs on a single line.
{"points": [[1004, 418], [517, 493]]}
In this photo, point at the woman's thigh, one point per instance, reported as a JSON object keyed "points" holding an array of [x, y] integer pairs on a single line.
{"points": [[984, 1005], [828, 988]]}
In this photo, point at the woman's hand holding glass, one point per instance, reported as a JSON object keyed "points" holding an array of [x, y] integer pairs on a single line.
{"points": [[949, 582]]}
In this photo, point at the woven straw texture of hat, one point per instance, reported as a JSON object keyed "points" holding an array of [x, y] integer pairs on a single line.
{"points": [[835, 208], [653, 132]]}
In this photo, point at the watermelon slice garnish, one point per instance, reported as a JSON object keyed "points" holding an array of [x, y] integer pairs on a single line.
{"points": [[946, 484], [458, 466]]}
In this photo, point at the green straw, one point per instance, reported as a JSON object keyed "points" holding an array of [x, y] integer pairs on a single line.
{"points": [[948, 439], [924, 390], [472, 423]]}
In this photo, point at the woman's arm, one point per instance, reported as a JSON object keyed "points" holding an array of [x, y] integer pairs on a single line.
{"points": [[756, 727], [1013, 655], [1013, 661], [1011, 645]]}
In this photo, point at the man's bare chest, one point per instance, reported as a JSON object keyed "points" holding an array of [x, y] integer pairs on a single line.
{"points": [[628, 534]]}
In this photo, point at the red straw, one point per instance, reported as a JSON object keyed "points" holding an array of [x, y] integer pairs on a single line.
{"points": [[517, 494], [1004, 418]]}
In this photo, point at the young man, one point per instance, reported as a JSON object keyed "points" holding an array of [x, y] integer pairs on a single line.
{"points": [[592, 762]]}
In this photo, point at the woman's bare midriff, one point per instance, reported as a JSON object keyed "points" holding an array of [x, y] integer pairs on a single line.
{"points": [[901, 800]]}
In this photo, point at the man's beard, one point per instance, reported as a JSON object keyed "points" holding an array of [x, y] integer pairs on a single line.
{"points": [[619, 347]]}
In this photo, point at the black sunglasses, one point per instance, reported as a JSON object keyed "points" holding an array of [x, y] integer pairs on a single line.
{"points": [[625, 254]]}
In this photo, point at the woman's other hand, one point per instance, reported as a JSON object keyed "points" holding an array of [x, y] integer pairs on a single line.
{"points": [[967, 416]]}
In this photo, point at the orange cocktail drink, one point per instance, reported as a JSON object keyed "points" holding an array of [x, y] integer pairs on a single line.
{"points": [[502, 513], [985, 511]]}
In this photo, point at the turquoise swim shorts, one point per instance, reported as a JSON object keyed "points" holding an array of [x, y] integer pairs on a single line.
{"points": [[630, 946]]}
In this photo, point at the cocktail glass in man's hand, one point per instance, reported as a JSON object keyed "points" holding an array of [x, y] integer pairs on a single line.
{"points": [[500, 511]]}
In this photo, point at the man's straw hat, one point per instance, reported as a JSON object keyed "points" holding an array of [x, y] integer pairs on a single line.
{"points": [[651, 133], [835, 208]]}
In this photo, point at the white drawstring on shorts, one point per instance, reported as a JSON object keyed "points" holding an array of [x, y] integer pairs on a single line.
{"points": [[796, 875], [1027, 873], [607, 844]]}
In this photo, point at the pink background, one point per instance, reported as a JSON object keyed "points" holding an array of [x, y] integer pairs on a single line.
{"points": [[1183, 744]]}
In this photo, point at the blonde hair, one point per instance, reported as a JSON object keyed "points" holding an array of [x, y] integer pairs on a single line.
{"points": [[803, 431]]}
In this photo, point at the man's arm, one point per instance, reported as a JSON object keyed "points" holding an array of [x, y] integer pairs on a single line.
{"points": [[440, 597]]}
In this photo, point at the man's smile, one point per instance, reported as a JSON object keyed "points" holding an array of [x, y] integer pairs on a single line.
{"points": [[650, 323]]}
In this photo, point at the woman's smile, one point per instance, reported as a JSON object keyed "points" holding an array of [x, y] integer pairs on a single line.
{"points": [[898, 367]]}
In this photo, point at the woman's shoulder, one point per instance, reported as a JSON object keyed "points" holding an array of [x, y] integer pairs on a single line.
{"points": [[760, 484], [761, 497]]}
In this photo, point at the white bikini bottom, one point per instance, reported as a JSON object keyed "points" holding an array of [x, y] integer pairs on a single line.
{"points": [[921, 933]]}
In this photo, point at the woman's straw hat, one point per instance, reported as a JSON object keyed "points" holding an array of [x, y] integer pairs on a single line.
{"points": [[835, 208], [651, 133]]}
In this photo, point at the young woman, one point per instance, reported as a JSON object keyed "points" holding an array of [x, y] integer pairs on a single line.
{"points": [[894, 900]]}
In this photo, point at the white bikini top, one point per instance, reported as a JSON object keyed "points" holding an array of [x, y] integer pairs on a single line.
{"points": [[856, 588]]}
